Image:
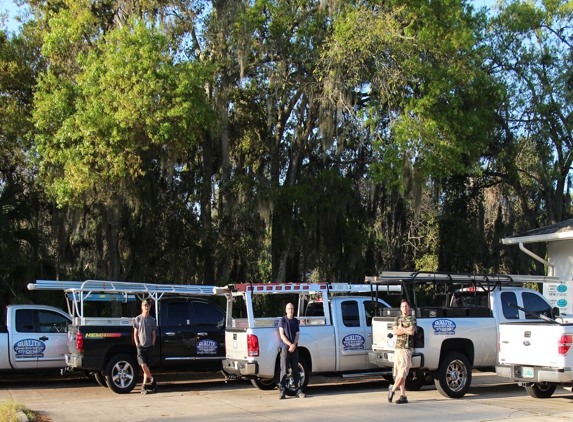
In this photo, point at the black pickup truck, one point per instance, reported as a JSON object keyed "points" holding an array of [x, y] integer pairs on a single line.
{"points": [[190, 336]]}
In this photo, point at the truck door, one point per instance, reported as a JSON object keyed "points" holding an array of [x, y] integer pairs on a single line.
{"points": [[191, 335], [53, 328], [210, 326], [354, 337], [39, 339], [178, 340]]}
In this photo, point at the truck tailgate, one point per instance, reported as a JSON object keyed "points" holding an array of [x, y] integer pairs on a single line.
{"points": [[236, 343], [530, 344]]}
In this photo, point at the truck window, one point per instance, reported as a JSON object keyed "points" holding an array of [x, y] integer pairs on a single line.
{"points": [[350, 316], [52, 322], [207, 314], [178, 314], [536, 304], [369, 311], [509, 312], [25, 320]]}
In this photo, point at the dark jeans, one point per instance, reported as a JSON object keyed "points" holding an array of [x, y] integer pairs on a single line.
{"points": [[289, 359]]}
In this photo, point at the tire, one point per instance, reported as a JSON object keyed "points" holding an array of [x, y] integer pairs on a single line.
{"points": [[415, 380], [100, 378], [541, 390], [264, 384], [304, 378], [454, 376], [121, 373]]}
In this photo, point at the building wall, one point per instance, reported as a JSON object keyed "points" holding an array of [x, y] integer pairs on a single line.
{"points": [[560, 254]]}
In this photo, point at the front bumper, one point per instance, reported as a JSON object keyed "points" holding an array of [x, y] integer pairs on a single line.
{"points": [[534, 374], [241, 368]]}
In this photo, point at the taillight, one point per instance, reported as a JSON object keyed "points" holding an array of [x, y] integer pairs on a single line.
{"points": [[565, 343], [79, 342], [252, 345]]}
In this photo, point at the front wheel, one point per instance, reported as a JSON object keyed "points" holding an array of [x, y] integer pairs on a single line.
{"points": [[264, 384], [454, 376], [415, 380], [541, 390], [121, 373]]}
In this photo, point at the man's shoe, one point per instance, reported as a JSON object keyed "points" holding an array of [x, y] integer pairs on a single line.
{"points": [[143, 389], [154, 385], [390, 393], [402, 400], [301, 395], [281, 396]]}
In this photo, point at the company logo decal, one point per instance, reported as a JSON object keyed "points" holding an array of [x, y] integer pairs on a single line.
{"points": [[207, 347], [562, 303], [102, 335], [444, 326], [562, 288], [353, 342], [526, 343], [29, 348]]}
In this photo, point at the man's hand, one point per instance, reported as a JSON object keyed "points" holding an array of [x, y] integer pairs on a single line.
{"points": [[292, 347]]}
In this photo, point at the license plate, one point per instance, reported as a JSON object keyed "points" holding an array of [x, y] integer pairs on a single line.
{"points": [[391, 357], [527, 372]]}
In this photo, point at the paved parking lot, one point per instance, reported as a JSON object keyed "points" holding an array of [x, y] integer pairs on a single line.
{"points": [[207, 397]]}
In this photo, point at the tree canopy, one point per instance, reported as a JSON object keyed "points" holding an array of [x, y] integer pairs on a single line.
{"points": [[194, 141]]}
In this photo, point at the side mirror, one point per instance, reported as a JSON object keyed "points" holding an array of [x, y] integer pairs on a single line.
{"points": [[555, 312]]}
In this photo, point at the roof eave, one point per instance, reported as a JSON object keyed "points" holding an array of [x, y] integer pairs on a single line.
{"points": [[539, 238]]}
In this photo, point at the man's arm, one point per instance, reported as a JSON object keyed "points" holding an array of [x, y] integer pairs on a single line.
{"points": [[136, 336], [153, 338]]}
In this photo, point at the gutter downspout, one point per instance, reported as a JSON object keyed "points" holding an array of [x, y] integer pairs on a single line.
{"points": [[548, 264]]}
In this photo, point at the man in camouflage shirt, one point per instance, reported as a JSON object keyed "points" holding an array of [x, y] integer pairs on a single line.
{"points": [[404, 329]]}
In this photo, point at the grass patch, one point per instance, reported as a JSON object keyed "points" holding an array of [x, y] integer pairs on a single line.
{"points": [[9, 413]]}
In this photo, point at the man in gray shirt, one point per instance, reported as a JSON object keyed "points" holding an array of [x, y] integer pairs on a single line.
{"points": [[144, 327]]}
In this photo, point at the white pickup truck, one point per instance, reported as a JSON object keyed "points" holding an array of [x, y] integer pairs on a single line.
{"points": [[537, 353], [458, 317], [335, 333], [34, 337]]}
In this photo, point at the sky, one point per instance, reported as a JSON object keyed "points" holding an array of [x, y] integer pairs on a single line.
{"points": [[12, 9]]}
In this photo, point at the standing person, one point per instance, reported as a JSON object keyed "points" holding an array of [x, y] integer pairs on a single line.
{"points": [[144, 328], [289, 333], [404, 329]]}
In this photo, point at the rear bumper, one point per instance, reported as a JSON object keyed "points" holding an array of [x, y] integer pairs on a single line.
{"points": [[381, 359], [74, 361], [241, 368], [534, 374]]}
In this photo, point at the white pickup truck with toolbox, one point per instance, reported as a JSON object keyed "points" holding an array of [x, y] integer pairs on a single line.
{"points": [[335, 333], [537, 353], [458, 316], [34, 337]]}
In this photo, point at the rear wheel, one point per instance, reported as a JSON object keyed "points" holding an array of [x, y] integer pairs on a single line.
{"points": [[304, 378], [121, 373], [541, 390], [100, 378], [454, 376]]}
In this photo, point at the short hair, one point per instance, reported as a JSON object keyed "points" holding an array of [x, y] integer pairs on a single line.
{"points": [[405, 301]]}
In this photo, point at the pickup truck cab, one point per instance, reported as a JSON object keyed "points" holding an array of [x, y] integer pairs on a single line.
{"points": [[335, 331], [458, 316], [33, 338], [190, 330], [536, 353]]}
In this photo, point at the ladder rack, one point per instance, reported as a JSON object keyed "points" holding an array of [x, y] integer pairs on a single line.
{"points": [[286, 288], [78, 292], [444, 277]]}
